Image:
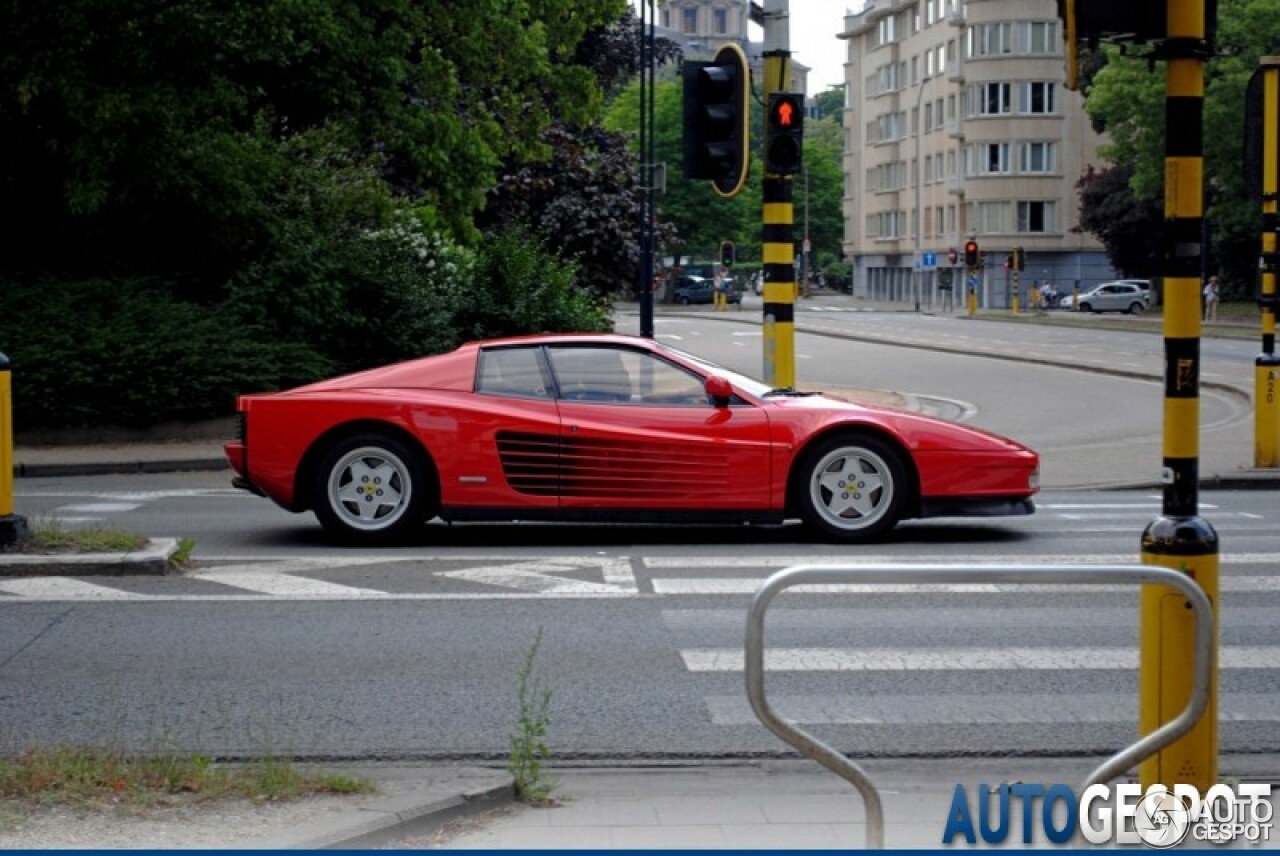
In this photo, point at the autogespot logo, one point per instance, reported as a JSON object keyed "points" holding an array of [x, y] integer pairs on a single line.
{"points": [[1120, 814]]}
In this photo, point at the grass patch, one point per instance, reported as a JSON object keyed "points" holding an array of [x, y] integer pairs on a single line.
{"points": [[99, 778], [53, 537]]}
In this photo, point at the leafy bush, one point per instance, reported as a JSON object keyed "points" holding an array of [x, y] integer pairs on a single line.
{"points": [[519, 286], [127, 352]]}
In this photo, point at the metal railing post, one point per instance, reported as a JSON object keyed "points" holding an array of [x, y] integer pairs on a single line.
{"points": [[835, 761]]}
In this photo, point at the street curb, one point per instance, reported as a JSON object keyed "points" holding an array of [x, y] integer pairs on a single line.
{"points": [[101, 468], [392, 821], [152, 560]]}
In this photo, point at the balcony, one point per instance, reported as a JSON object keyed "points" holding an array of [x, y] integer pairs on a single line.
{"points": [[955, 185], [955, 128], [955, 73], [955, 16]]}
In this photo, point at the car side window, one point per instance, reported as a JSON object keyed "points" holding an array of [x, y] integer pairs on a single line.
{"points": [[623, 375], [511, 371]]}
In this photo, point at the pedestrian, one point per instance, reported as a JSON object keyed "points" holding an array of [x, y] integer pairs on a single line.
{"points": [[720, 291], [1211, 295]]}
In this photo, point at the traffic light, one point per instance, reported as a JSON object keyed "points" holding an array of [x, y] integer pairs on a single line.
{"points": [[726, 254], [971, 259], [784, 133], [1129, 21], [716, 116], [952, 255], [1017, 259]]}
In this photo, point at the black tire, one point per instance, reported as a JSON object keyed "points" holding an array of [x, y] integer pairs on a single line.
{"points": [[371, 489], [683, 301], [1085, 307], [852, 487], [1135, 308]]}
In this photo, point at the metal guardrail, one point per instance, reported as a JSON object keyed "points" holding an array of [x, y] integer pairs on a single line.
{"points": [[836, 762]]}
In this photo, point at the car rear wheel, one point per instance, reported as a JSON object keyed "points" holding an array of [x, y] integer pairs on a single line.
{"points": [[683, 301], [1135, 308], [370, 489], [854, 488]]}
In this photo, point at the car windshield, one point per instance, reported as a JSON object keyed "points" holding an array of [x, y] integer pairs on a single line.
{"points": [[749, 385]]}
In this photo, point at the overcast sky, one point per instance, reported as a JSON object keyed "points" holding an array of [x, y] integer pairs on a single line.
{"points": [[814, 25]]}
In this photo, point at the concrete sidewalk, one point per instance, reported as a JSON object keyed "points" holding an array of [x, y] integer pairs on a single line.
{"points": [[791, 804]]}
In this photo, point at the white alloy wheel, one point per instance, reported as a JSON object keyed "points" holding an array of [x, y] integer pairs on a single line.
{"points": [[369, 488], [854, 488]]}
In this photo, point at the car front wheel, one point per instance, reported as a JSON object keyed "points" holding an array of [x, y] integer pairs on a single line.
{"points": [[854, 488], [1084, 307], [370, 490]]}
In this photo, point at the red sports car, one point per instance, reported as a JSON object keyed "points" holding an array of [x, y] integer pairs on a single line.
{"points": [[608, 428]]}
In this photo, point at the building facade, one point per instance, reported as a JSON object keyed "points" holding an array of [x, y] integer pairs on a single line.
{"points": [[700, 27], [958, 127]]}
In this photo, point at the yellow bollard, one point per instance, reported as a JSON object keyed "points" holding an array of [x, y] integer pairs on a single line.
{"points": [[13, 527], [972, 301]]}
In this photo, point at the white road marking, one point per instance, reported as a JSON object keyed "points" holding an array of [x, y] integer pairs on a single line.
{"points": [[993, 709], [955, 659], [61, 588], [694, 562], [275, 583], [539, 577], [98, 507], [749, 585]]}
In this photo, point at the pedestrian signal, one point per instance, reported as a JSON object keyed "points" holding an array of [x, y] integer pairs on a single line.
{"points": [[971, 258], [784, 133]]}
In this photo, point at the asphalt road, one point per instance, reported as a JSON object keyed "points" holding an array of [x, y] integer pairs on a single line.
{"points": [[276, 642]]}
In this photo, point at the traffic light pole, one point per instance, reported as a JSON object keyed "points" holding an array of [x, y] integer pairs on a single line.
{"points": [[1180, 539], [1266, 395], [647, 150], [778, 216]]}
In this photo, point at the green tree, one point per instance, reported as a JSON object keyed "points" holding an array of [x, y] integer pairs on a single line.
{"points": [[1126, 100]]}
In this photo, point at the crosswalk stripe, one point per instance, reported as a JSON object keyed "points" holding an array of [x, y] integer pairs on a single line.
{"points": [[984, 709], [749, 585], [57, 588], [692, 562], [270, 583], [955, 659]]}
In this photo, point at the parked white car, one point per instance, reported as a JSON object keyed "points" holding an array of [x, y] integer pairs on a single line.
{"points": [[1126, 297]]}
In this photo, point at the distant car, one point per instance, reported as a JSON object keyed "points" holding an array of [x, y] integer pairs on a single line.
{"points": [[697, 289], [608, 429], [1111, 297]]}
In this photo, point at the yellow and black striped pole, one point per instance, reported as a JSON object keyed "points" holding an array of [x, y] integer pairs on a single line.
{"points": [[1266, 398], [1180, 538], [778, 250], [12, 526]]}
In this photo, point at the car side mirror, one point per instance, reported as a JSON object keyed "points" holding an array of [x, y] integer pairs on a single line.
{"points": [[720, 390]]}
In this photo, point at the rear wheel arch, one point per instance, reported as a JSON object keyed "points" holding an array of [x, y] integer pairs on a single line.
{"points": [[305, 478]]}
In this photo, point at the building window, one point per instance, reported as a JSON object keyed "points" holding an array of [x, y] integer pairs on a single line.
{"points": [[689, 23], [989, 218], [1038, 37], [937, 220], [1037, 157], [989, 40], [951, 218], [993, 99], [928, 168], [1036, 97], [1035, 217], [942, 59], [928, 117], [993, 158], [721, 20], [666, 18]]}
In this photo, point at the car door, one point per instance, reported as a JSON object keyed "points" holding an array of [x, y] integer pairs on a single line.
{"points": [[509, 440], [639, 432]]}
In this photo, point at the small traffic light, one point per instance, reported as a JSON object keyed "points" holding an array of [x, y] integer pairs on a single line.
{"points": [[726, 254], [952, 255], [716, 116], [784, 133], [1017, 259], [971, 259]]}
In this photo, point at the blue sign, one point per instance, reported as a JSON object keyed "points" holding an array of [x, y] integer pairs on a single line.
{"points": [[972, 282], [929, 261]]}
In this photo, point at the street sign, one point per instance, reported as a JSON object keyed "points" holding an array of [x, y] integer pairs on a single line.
{"points": [[929, 260], [972, 282]]}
